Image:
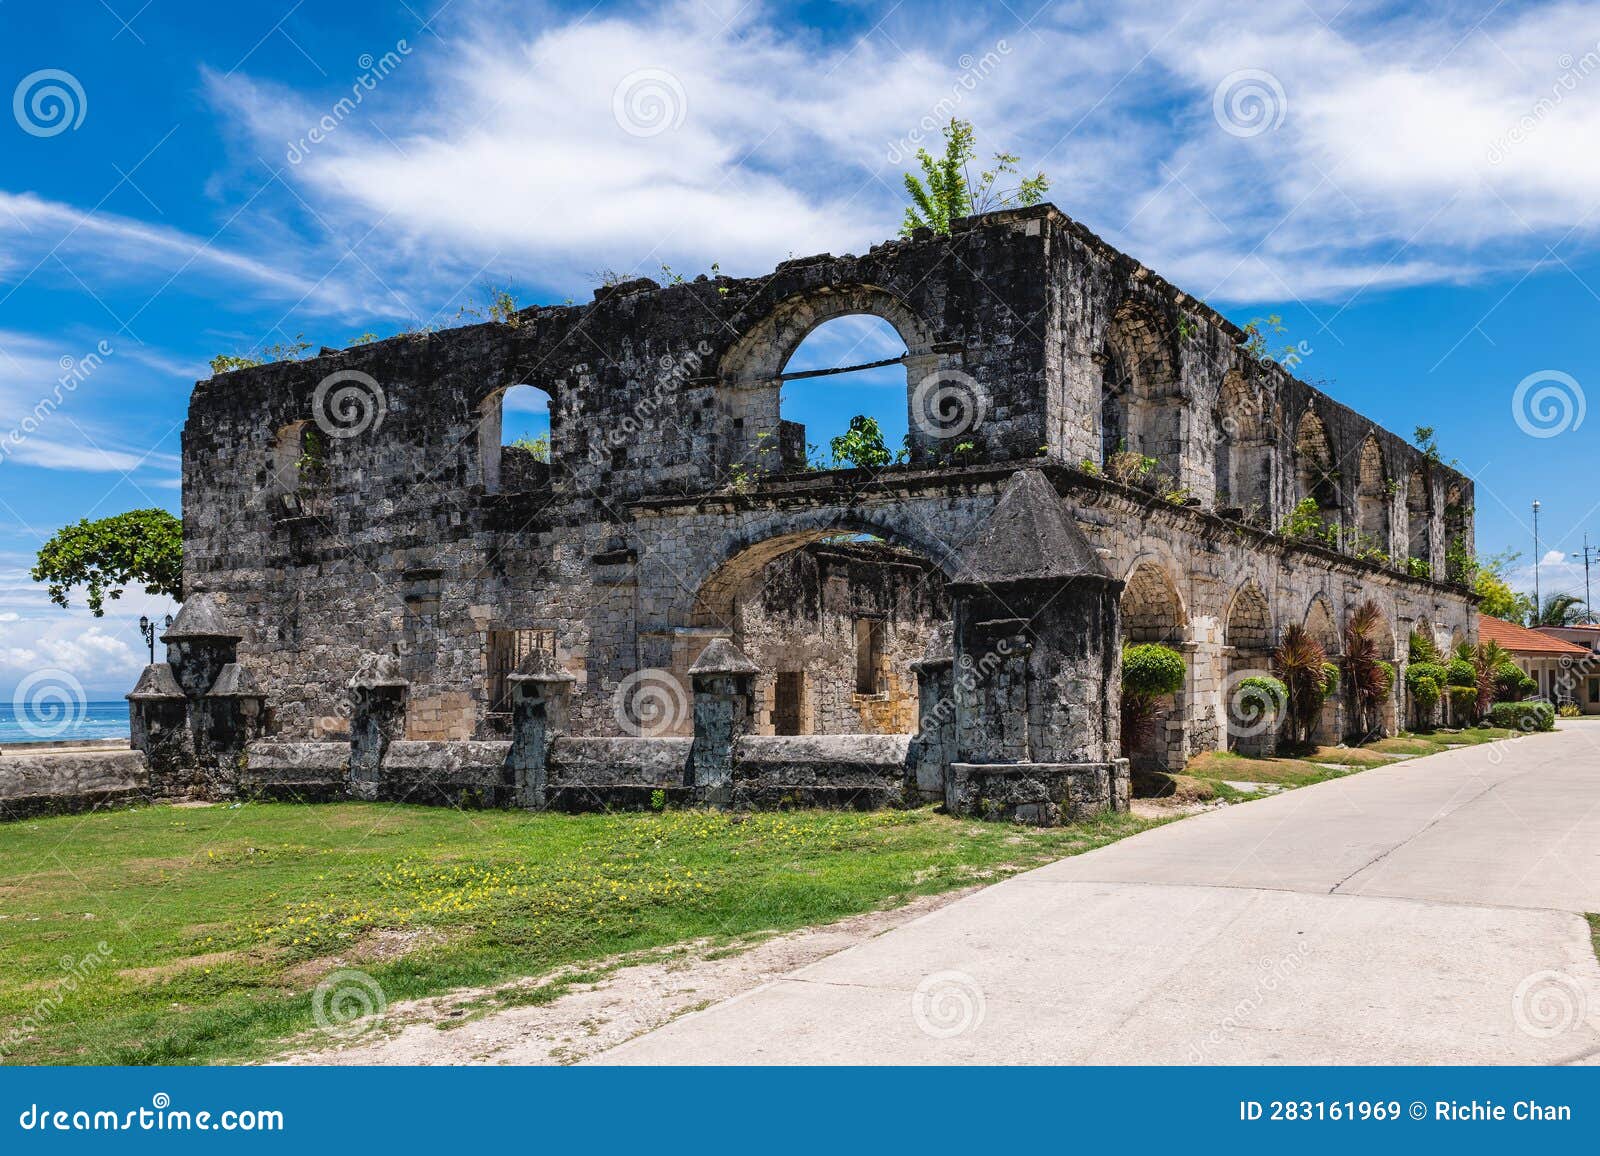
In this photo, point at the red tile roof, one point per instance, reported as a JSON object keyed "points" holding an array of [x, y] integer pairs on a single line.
{"points": [[1521, 640]]}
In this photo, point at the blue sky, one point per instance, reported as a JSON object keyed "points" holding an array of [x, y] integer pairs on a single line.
{"points": [[1414, 191]]}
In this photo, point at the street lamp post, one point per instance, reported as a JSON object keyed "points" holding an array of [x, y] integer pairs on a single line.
{"points": [[1536, 602], [148, 629]]}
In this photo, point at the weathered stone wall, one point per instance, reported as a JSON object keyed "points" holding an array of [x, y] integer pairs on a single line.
{"points": [[411, 534], [47, 782]]}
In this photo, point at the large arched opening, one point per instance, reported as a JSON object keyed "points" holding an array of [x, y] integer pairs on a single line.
{"points": [[833, 617], [1245, 449], [793, 382], [1373, 499], [1151, 611], [1141, 429], [1316, 474]]}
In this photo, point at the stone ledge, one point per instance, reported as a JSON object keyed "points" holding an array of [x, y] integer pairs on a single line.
{"points": [[1042, 794]]}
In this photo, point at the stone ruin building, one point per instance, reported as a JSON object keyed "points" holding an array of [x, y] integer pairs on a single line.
{"points": [[386, 602]]}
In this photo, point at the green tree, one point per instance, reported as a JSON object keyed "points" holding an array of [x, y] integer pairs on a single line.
{"points": [[1498, 598], [142, 546], [946, 191], [1559, 610], [862, 445]]}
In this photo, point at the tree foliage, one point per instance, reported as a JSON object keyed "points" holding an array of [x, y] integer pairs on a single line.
{"points": [[862, 445], [105, 555], [1498, 599], [1150, 673], [1301, 665], [1559, 610], [1368, 676], [946, 190]]}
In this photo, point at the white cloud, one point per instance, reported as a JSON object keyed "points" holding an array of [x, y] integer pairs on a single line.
{"points": [[1412, 148]]}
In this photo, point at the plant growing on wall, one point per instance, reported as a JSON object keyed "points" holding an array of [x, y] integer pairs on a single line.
{"points": [[1151, 674], [946, 190], [103, 556]]}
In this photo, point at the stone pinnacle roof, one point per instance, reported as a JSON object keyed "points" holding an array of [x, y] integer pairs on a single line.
{"points": [[235, 681], [199, 618], [157, 682], [540, 666], [722, 657], [1028, 537]]}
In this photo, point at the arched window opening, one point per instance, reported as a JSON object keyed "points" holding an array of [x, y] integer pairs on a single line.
{"points": [[1245, 425], [1419, 516], [1141, 431], [844, 401], [1316, 475], [297, 463], [1373, 499], [515, 437], [1151, 612]]}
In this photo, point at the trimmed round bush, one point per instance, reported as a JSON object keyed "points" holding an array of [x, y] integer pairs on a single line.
{"points": [[1508, 678], [1527, 687], [1148, 668], [1460, 672], [1424, 691], [1463, 701], [1431, 671], [1533, 715]]}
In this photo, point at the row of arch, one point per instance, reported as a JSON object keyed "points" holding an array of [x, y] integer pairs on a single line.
{"points": [[1141, 416]]}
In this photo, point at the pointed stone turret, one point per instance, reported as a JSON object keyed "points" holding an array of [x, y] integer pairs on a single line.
{"points": [[236, 681], [200, 617], [1029, 537], [156, 684], [722, 657]]}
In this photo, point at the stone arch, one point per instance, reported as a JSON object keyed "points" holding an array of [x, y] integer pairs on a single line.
{"points": [[1315, 469], [750, 370], [1372, 494], [834, 629], [744, 554], [1139, 387], [1322, 626], [1249, 631], [1419, 515], [1152, 610], [519, 470], [1246, 436]]}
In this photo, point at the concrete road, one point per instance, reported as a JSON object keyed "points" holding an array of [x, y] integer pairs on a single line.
{"points": [[1426, 912]]}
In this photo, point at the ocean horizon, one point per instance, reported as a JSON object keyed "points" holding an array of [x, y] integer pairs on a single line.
{"points": [[63, 722]]}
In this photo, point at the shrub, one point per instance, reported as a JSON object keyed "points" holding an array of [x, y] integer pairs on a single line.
{"points": [[1150, 672], [1258, 699], [1508, 680], [1460, 672], [1569, 710], [1370, 678], [1418, 671], [1527, 687], [1330, 680], [1534, 715], [1425, 693], [1463, 702]]}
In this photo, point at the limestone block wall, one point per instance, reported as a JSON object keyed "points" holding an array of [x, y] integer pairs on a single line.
{"points": [[402, 532]]}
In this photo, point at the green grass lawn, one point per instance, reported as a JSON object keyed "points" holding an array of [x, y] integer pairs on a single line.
{"points": [[197, 934], [1323, 763]]}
